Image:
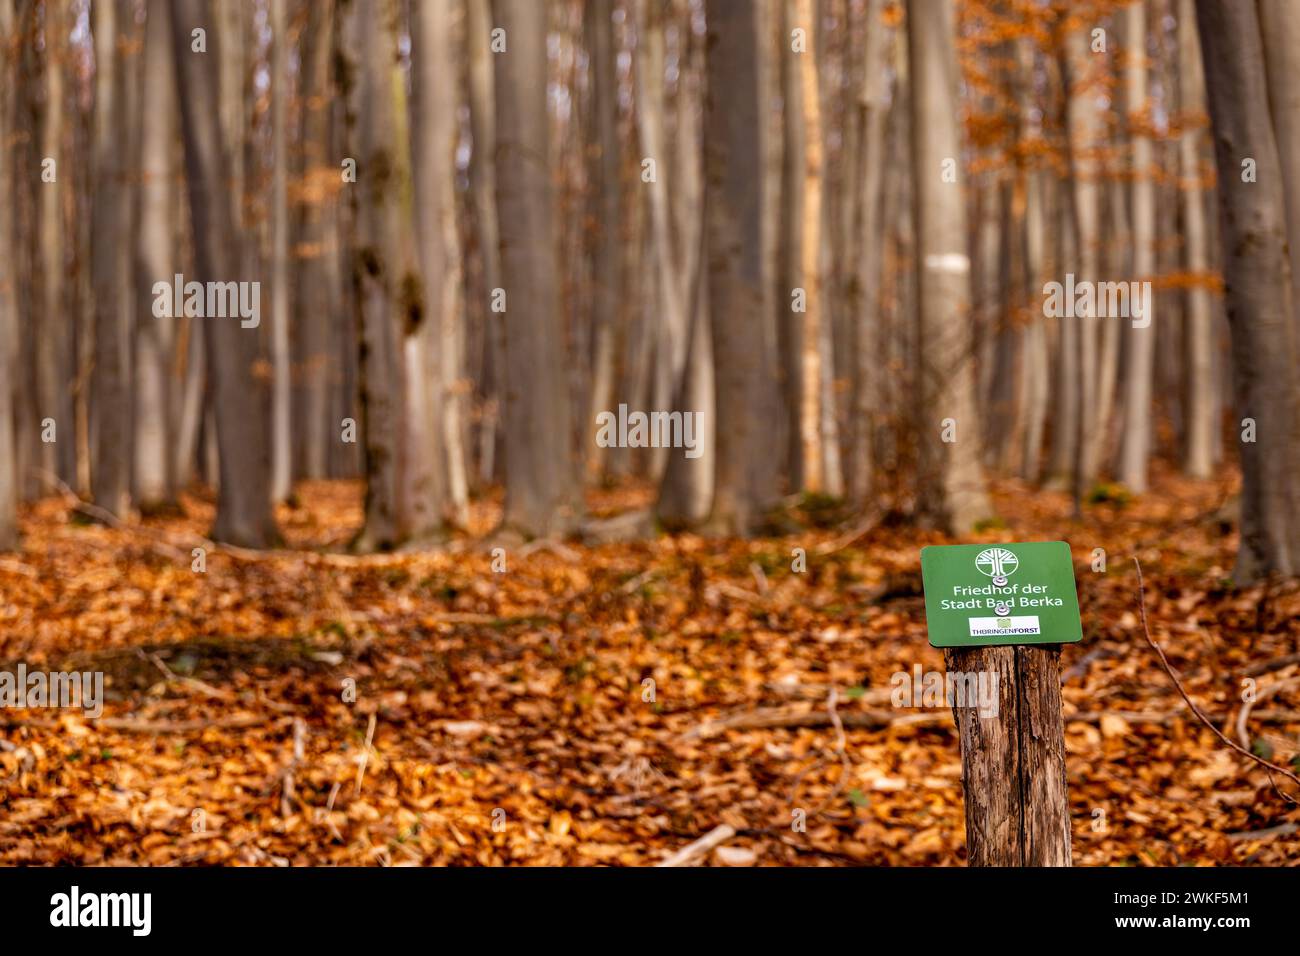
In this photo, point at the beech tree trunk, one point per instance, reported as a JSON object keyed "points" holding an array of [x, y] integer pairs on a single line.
{"points": [[440, 338], [239, 397], [1257, 275], [8, 301], [1198, 332], [745, 479], [951, 491], [1135, 451], [155, 262], [542, 497], [110, 381]]}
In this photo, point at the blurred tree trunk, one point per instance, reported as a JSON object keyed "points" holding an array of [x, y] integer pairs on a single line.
{"points": [[791, 239], [1257, 275], [1279, 22], [745, 479], [605, 211], [375, 272], [1198, 336], [239, 398], [951, 489], [110, 380], [866, 317], [281, 395], [1080, 72], [154, 262], [440, 338], [1135, 451], [542, 494], [54, 360], [8, 300], [482, 172], [316, 252]]}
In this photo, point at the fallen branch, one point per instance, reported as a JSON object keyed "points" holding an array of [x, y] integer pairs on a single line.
{"points": [[1243, 716], [1265, 667], [1146, 630], [780, 717], [1284, 829], [692, 852]]}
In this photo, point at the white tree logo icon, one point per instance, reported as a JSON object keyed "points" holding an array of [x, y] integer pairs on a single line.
{"points": [[997, 563]]}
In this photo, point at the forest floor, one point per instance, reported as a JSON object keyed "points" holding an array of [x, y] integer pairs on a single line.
{"points": [[504, 717]]}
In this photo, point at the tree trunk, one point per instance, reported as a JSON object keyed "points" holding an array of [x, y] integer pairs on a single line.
{"points": [[1198, 334], [316, 252], [482, 172], [951, 487], [810, 364], [1136, 448], [1279, 22], [605, 205], [8, 300], [440, 336], [281, 394], [239, 396], [154, 262], [542, 494], [745, 481], [110, 381], [1258, 281]]}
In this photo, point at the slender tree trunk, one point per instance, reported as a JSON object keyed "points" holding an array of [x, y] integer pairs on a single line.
{"points": [[810, 378], [1257, 275], [281, 394], [1140, 356], [316, 253], [483, 190], [154, 262], [110, 382], [951, 486], [542, 494], [239, 397], [606, 214], [1279, 22], [8, 300], [440, 335], [1080, 72], [1198, 341], [734, 208]]}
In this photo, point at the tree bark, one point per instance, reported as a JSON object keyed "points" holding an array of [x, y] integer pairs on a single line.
{"points": [[239, 396], [1258, 281], [1198, 335], [281, 391], [440, 337], [951, 490], [155, 483], [8, 300], [745, 480], [542, 495], [110, 380], [1135, 450]]}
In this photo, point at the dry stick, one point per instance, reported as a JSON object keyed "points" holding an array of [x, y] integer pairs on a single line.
{"points": [[365, 756], [1243, 716], [1142, 606], [693, 851], [761, 719], [1254, 670]]}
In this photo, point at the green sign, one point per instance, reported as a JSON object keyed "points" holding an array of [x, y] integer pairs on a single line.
{"points": [[1019, 593]]}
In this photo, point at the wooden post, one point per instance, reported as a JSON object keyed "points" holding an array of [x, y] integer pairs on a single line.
{"points": [[1013, 764]]}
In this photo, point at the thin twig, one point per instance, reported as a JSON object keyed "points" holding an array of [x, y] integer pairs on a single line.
{"points": [[1146, 630]]}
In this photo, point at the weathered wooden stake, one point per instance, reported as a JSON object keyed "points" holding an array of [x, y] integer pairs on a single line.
{"points": [[1013, 764]]}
